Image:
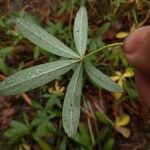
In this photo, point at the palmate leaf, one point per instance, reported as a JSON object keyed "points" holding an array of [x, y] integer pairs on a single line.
{"points": [[34, 77], [81, 30], [43, 39], [100, 79], [71, 106]]}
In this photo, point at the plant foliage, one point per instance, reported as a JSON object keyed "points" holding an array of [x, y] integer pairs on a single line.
{"points": [[34, 77]]}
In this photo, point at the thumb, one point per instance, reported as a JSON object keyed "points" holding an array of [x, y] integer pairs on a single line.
{"points": [[137, 51]]}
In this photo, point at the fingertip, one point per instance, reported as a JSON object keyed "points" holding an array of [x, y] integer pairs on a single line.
{"points": [[137, 49], [134, 40]]}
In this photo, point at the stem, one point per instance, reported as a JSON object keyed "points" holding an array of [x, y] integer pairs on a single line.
{"points": [[102, 48]]}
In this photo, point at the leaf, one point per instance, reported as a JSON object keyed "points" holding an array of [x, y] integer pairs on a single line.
{"points": [[6, 51], [102, 117], [34, 77], [100, 78], [36, 105], [71, 106], [42, 125], [42, 129], [38, 119], [54, 100], [43, 39], [122, 120], [104, 27], [36, 53], [63, 144], [83, 137], [81, 30], [43, 145], [3, 67], [18, 130], [109, 144], [103, 133]]}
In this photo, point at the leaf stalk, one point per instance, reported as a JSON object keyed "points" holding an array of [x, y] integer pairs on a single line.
{"points": [[102, 48]]}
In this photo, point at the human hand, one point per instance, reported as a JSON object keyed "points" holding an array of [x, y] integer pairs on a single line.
{"points": [[137, 51]]}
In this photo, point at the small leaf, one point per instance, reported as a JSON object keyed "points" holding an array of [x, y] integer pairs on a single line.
{"points": [[102, 117], [43, 145], [38, 119], [81, 30], [104, 27], [6, 51], [34, 77], [63, 144], [18, 130], [122, 120], [3, 67], [54, 100], [100, 79], [103, 133], [41, 38], [109, 144], [36, 53], [71, 106], [83, 136], [36, 105], [42, 129]]}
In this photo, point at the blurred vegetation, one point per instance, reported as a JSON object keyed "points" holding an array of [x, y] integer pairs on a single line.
{"points": [[108, 121]]}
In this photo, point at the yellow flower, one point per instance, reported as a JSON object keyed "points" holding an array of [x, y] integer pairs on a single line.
{"points": [[57, 89], [122, 35], [120, 78], [122, 121]]}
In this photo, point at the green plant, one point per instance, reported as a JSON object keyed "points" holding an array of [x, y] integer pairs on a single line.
{"points": [[36, 76], [83, 137], [5, 52], [41, 125]]}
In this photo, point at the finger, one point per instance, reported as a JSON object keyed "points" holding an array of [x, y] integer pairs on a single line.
{"points": [[143, 86], [137, 49]]}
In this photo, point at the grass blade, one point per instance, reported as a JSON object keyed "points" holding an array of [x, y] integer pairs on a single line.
{"points": [[100, 79], [81, 30], [34, 77], [71, 106], [41, 38]]}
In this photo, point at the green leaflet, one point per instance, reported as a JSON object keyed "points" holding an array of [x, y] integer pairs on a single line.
{"points": [[43, 39], [81, 30], [43, 145], [18, 130], [101, 79], [71, 106], [3, 67], [109, 144], [34, 77]]}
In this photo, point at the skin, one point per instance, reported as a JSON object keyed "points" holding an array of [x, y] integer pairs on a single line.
{"points": [[137, 51]]}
